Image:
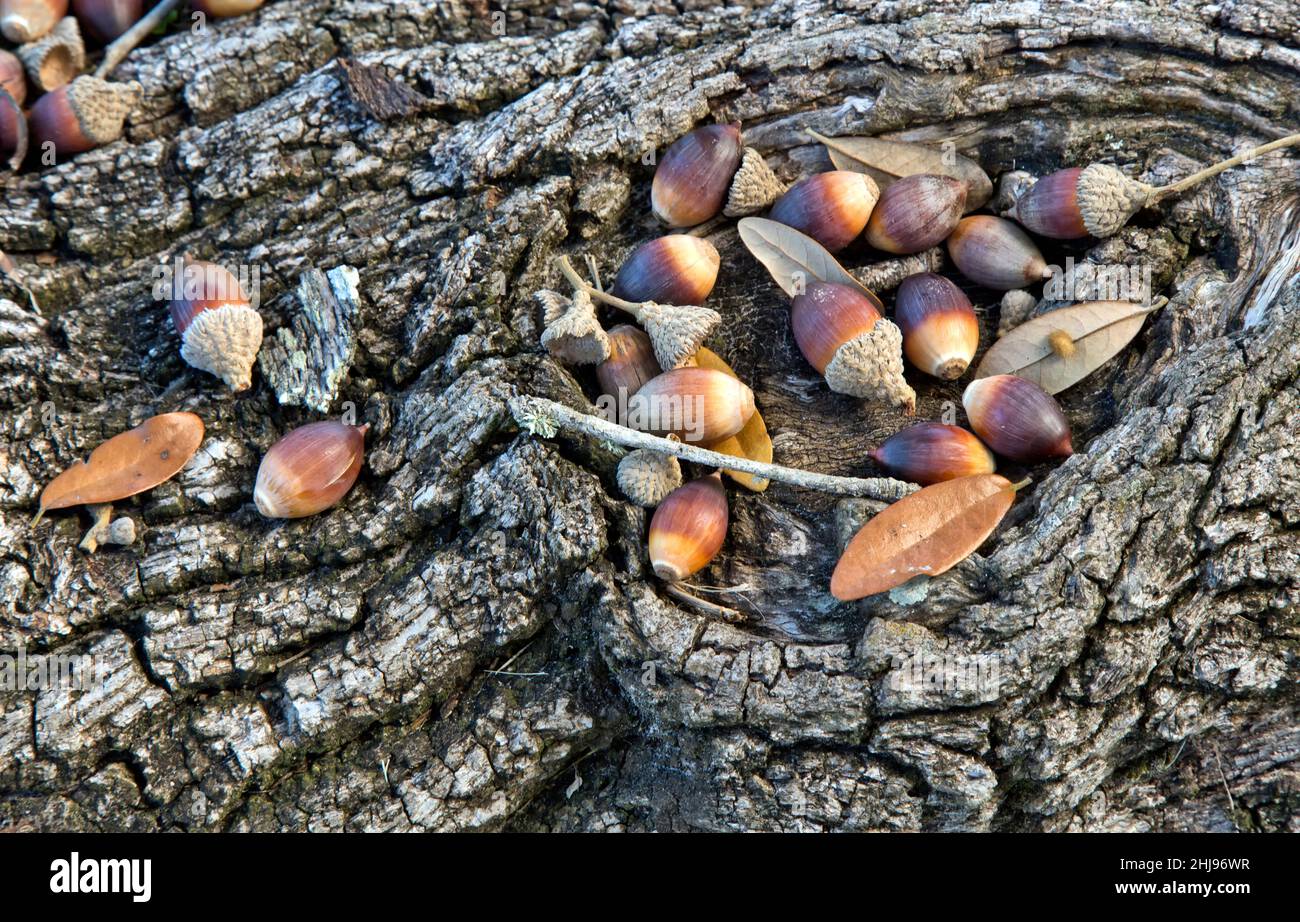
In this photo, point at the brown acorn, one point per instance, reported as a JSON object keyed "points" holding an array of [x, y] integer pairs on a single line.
{"points": [[1017, 418], [220, 330], [11, 76], [675, 269], [695, 404], [83, 115], [688, 529], [13, 131], [692, 179], [24, 21], [631, 362], [55, 59], [841, 333], [832, 208], [221, 8], [930, 452], [1050, 207], [940, 330], [105, 20], [916, 212], [309, 470], [995, 253]]}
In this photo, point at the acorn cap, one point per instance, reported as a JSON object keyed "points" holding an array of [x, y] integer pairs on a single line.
{"points": [[553, 305], [101, 107], [577, 336], [53, 61], [754, 186], [646, 476], [224, 341], [870, 366], [1107, 199], [677, 332]]}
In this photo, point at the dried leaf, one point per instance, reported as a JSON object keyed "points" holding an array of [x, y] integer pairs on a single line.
{"points": [[794, 259], [926, 533], [132, 462], [1095, 332], [752, 442], [887, 161]]}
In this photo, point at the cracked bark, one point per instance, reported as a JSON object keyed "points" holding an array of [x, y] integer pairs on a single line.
{"points": [[345, 671]]}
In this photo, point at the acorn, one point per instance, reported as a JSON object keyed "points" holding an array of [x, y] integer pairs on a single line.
{"points": [[13, 131], [24, 21], [841, 333], [11, 76], [631, 362], [576, 336], [695, 404], [220, 330], [995, 253], [1017, 418], [832, 208], [105, 20], [940, 330], [688, 529], [647, 477], [83, 115], [753, 188], [675, 269], [916, 212], [54, 60], [309, 470], [222, 8], [692, 179], [930, 452]]}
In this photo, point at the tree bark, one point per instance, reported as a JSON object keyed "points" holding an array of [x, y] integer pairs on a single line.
{"points": [[472, 638]]}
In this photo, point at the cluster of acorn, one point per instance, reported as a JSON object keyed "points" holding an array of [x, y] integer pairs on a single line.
{"points": [[75, 112], [307, 471]]}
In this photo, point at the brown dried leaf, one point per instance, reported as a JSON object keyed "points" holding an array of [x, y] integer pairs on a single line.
{"points": [[132, 462], [792, 258], [752, 442], [887, 161], [926, 533], [1098, 330]]}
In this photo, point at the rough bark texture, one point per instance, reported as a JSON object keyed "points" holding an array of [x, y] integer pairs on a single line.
{"points": [[472, 639]]}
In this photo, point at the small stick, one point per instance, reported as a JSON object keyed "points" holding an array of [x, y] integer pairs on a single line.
{"points": [[1182, 185], [125, 43], [579, 284], [729, 615], [543, 417]]}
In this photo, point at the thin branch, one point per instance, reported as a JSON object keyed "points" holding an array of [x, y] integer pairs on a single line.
{"points": [[1186, 183], [729, 615], [125, 43]]}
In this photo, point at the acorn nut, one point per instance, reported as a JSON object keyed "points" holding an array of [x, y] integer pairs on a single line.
{"points": [[674, 269], [83, 115], [309, 470], [223, 8], [24, 21], [932, 452], [940, 329], [220, 330], [688, 529], [631, 362], [11, 76], [692, 179], [105, 20], [832, 208], [695, 404], [1017, 418], [916, 212], [995, 253]]}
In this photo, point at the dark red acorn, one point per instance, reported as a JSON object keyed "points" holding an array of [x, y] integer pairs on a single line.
{"points": [[932, 452], [1017, 418], [692, 179]]}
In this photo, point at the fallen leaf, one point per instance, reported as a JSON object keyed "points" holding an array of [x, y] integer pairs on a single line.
{"points": [[752, 442], [794, 259], [888, 161], [1095, 332], [926, 533], [130, 463]]}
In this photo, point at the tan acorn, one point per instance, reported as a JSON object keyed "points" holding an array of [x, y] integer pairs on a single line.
{"points": [[674, 269], [695, 404], [105, 20], [223, 8], [841, 333], [13, 131], [916, 212], [11, 76], [24, 21], [576, 336], [688, 529], [55, 59], [1017, 418], [995, 253], [753, 188], [932, 452], [221, 332], [309, 470], [83, 115], [691, 182], [831, 208], [940, 329], [631, 362], [647, 477]]}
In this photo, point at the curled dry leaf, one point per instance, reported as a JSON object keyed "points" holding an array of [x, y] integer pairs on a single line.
{"points": [[793, 258], [751, 442], [887, 161], [132, 462], [926, 533], [1063, 347]]}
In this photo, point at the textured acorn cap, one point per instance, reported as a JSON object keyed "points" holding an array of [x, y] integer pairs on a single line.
{"points": [[577, 335], [1107, 199], [224, 341], [753, 188], [676, 333], [1016, 305], [870, 366], [646, 476], [553, 305], [53, 61]]}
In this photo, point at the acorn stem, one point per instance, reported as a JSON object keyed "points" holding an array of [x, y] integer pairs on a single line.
{"points": [[530, 411], [1182, 185], [579, 284], [125, 43]]}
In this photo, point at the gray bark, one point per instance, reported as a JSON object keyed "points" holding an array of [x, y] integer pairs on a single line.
{"points": [[472, 638]]}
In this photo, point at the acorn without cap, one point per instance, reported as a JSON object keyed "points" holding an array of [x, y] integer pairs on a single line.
{"points": [[674, 269], [916, 212], [691, 182], [105, 20], [24, 21], [688, 529], [220, 330], [1017, 418], [83, 115], [832, 208], [695, 404], [11, 76], [221, 8], [631, 361], [309, 470], [995, 253], [13, 131], [940, 329], [932, 452]]}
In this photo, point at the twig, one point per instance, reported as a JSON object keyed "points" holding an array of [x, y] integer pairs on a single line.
{"points": [[1162, 192], [1232, 807], [543, 417], [125, 43], [730, 615], [580, 284]]}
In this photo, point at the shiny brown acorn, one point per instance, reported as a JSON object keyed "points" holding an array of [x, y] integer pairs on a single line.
{"points": [[916, 212], [631, 362], [841, 333], [674, 269], [220, 8], [24, 21], [11, 76], [83, 115], [1050, 207], [940, 329], [832, 208], [220, 330], [1017, 418], [13, 131], [932, 452], [995, 253], [309, 470], [695, 404], [692, 179], [688, 528], [105, 20]]}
